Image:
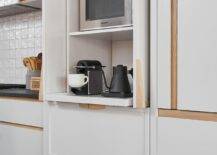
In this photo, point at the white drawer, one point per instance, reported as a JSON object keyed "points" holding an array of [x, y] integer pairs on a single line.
{"points": [[27, 112], [186, 137], [20, 140]]}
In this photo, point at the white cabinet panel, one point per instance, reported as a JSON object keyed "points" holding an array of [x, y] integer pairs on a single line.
{"points": [[54, 15], [197, 55], [20, 141], [164, 54], [141, 54], [21, 112], [113, 131], [186, 137]]}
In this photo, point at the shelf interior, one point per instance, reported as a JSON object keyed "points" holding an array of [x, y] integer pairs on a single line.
{"points": [[111, 46]]}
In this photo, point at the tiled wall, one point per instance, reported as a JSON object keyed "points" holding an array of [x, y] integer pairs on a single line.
{"points": [[20, 36], [7, 2]]}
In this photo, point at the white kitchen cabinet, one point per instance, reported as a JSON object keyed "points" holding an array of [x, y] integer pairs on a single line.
{"points": [[163, 55], [15, 140], [21, 127], [65, 45], [25, 112], [186, 137], [197, 46], [197, 79], [70, 129], [111, 131]]}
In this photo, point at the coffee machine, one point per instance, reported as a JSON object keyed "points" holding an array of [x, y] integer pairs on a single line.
{"points": [[92, 69]]}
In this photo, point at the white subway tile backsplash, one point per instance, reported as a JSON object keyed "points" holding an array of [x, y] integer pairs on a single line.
{"points": [[7, 2], [20, 36]]}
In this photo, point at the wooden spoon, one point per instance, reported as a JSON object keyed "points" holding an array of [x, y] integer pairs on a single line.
{"points": [[27, 63], [33, 62]]}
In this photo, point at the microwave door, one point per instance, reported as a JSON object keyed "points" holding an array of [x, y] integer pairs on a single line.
{"points": [[96, 14]]}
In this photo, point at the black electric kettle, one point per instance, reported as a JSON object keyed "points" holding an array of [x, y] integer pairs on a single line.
{"points": [[120, 86]]}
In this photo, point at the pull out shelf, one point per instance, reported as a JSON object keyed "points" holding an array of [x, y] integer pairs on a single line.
{"points": [[95, 100], [117, 33]]}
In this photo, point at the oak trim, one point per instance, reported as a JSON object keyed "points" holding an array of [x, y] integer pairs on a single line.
{"points": [[21, 126], [174, 51], [191, 115], [92, 106], [140, 94], [96, 107], [20, 99]]}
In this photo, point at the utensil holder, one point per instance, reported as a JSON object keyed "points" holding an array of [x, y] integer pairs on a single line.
{"points": [[29, 75]]}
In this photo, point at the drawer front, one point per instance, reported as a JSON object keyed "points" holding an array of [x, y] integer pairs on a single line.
{"points": [[21, 112], [20, 140], [186, 137], [111, 131]]}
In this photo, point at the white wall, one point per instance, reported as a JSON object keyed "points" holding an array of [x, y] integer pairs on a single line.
{"points": [[20, 36]]}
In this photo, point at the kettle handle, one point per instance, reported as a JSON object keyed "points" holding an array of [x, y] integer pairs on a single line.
{"points": [[104, 78]]}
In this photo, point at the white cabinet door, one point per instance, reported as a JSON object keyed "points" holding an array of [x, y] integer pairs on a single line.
{"points": [[141, 54], [54, 15], [186, 137], [20, 141], [164, 54], [112, 131], [21, 112], [197, 55]]}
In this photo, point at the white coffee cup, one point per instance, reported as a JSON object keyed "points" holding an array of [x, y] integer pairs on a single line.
{"points": [[77, 80]]}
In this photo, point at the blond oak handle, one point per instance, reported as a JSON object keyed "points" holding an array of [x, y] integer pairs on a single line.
{"points": [[140, 90]]}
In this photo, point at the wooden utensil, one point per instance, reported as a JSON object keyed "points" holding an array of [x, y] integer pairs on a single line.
{"points": [[33, 62], [27, 63], [38, 64]]}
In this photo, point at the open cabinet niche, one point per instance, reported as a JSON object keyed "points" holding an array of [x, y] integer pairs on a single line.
{"points": [[109, 53], [119, 45], [109, 46]]}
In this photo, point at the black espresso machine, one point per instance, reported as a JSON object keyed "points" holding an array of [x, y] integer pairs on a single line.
{"points": [[92, 69]]}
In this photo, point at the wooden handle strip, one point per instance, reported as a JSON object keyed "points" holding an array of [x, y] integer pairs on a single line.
{"points": [[140, 90], [174, 50], [92, 106], [21, 126], [191, 115]]}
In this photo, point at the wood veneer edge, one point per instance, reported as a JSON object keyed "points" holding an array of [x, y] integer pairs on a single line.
{"points": [[21, 126], [191, 115], [140, 95], [21, 99], [174, 50]]}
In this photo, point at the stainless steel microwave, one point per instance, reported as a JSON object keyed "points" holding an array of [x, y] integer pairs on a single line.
{"points": [[97, 14]]}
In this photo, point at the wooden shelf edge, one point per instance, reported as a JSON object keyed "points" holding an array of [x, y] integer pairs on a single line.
{"points": [[90, 100], [102, 31], [191, 115]]}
